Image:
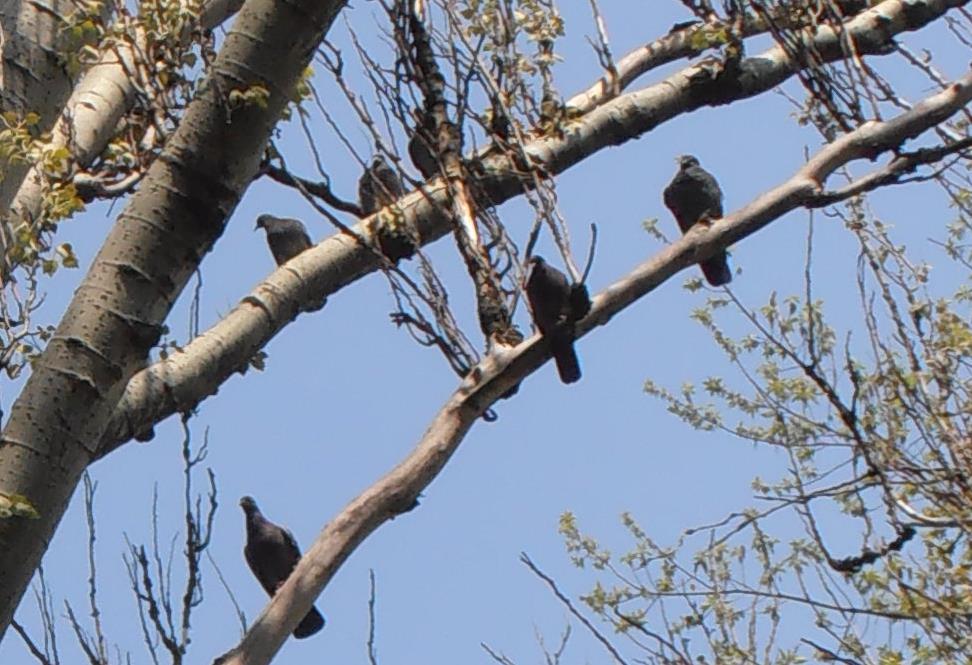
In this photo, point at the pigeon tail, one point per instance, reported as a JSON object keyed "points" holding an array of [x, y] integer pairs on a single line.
{"points": [[562, 349], [580, 301], [310, 624], [716, 270]]}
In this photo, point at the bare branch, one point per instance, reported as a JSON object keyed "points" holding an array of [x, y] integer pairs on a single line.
{"points": [[89, 495], [573, 610], [827, 654], [372, 652], [35, 652], [241, 617]]}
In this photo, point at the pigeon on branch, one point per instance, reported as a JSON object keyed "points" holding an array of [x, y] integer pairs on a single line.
{"points": [[378, 186], [287, 237], [694, 196], [556, 305], [272, 553]]}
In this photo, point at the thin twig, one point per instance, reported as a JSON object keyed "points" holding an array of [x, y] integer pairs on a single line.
{"points": [[570, 606]]}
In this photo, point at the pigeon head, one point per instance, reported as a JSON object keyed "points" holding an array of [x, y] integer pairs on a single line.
{"points": [[263, 221], [536, 260], [687, 161], [248, 505]]}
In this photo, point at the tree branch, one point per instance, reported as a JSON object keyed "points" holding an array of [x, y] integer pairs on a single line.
{"points": [[682, 41], [528, 562], [91, 114], [155, 246], [185, 379], [503, 369]]}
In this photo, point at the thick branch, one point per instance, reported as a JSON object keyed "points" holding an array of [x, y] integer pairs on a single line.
{"points": [[91, 115], [185, 379], [683, 41], [33, 75], [504, 369], [155, 246]]}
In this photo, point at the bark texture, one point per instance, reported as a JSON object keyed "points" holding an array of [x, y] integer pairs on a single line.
{"points": [[33, 76], [156, 244], [103, 95]]}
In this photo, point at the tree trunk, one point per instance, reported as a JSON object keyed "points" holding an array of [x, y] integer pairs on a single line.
{"points": [[33, 77], [100, 99], [156, 244]]}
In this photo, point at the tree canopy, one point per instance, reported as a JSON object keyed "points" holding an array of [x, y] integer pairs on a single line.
{"points": [[838, 131]]}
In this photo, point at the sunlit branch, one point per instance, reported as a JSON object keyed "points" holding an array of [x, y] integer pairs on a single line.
{"points": [[185, 379], [503, 369]]}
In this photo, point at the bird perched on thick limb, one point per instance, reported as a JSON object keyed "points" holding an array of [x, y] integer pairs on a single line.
{"points": [[694, 196], [287, 237], [378, 186], [557, 305], [272, 553]]}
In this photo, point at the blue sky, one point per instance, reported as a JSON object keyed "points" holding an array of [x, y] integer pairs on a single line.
{"points": [[346, 395]]}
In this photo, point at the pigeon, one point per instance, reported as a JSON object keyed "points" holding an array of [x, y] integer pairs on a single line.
{"points": [[421, 147], [271, 552], [287, 237], [693, 195], [556, 305], [378, 187]]}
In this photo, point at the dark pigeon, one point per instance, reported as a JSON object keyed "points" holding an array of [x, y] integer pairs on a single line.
{"points": [[287, 237], [421, 147], [499, 122], [422, 155], [556, 305], [693, 195], [378, 187], [272, 554]]}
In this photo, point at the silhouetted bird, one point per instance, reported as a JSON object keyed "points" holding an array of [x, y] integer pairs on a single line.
{"points": [[499, 122], [693, 195], [272, 553], [556, 305], [421, 147], [287, 237], [378, 187]]}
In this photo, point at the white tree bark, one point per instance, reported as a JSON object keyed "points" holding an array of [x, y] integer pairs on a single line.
{"points": [[156, 244], [32, 72], [90, 117]]}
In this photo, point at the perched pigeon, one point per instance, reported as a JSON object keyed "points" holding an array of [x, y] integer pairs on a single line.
{"points": [[272, 553], [378, 187], [421, 147], [556, 305], [287, 237], [693, 195]]}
